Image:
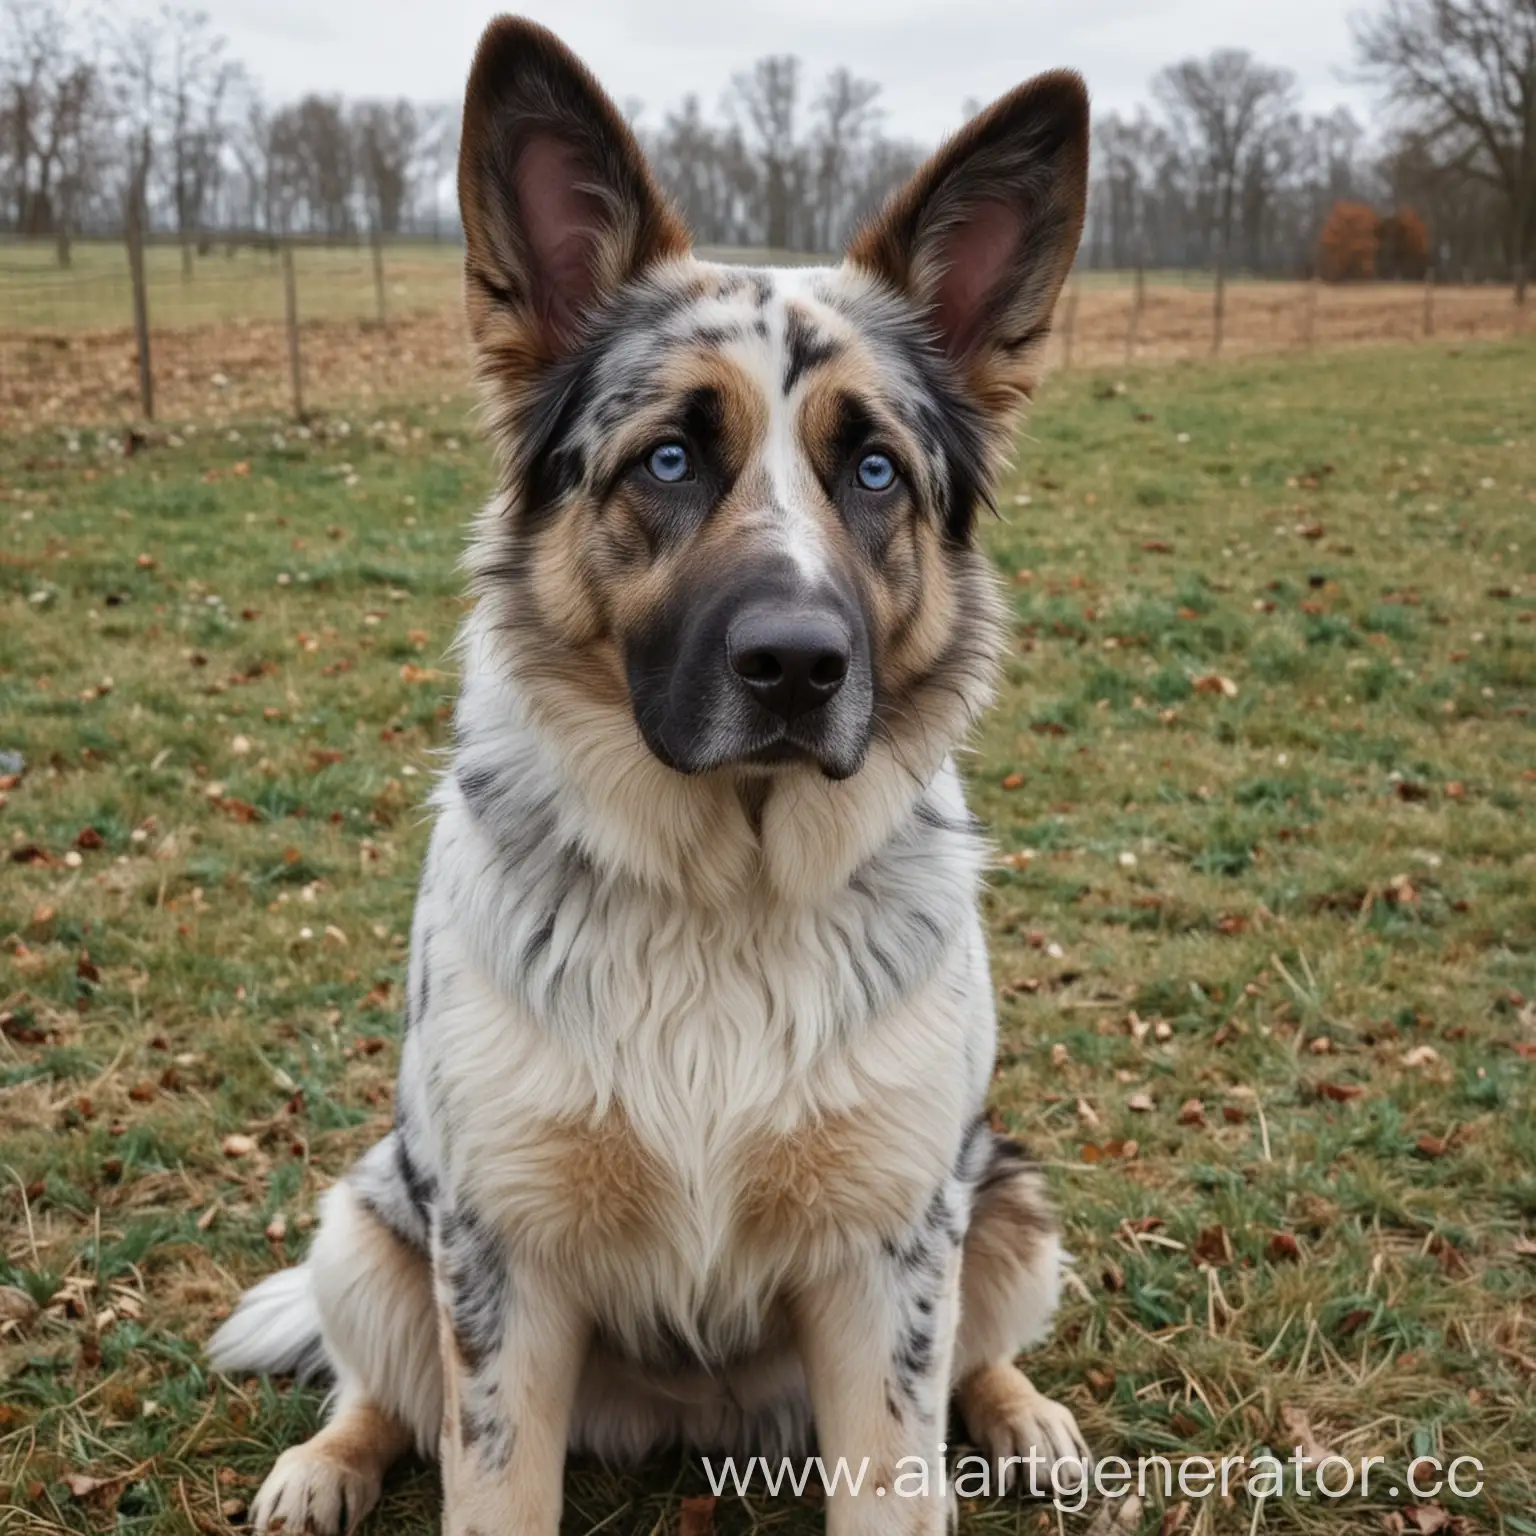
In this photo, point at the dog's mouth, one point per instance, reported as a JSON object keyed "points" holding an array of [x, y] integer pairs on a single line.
{"points": [[835, 748]]}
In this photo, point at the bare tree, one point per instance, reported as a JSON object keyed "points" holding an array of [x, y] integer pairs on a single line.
{"points": [[767, 96], [847, 115], [386, 139], [52, 111], [1220, 107], [174, 82], [1462, 75]]}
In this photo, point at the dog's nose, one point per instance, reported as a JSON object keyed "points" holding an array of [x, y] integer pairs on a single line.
{"points": [[790, 661]]}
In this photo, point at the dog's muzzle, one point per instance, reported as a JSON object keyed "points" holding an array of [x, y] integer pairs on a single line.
{"points": [[762, 671]]}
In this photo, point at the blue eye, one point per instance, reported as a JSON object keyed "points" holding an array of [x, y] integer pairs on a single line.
{"points": [[670, 463], [876, 472]]}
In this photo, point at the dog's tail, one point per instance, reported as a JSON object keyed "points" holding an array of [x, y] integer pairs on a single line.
{"points": [[274, 1330]]}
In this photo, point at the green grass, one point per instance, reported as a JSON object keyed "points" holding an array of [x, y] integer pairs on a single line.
{"points": [[1305, 898]]}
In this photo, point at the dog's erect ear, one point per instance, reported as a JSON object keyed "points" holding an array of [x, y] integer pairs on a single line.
{"points": [[984, 234], [559, 206]]}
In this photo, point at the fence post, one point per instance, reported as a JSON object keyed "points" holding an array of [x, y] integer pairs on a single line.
{"points": [[1429, 301], [1218, 309], [291, 303], [1519, 298], [1069, 323], [377, 241], [1309, 314], [1138, 302], [134, 230]]}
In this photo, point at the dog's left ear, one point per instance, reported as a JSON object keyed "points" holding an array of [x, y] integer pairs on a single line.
{"points": [[558, 203], [984, 234]]}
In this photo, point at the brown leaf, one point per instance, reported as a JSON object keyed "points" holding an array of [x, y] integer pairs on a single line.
{"points": [[1013, 781], [1341, 1093], [96, 1489], [1140, 1103], [1282, 1248], [1192, 1112], [237, 1145], [1100, 1383], [1214, 682], [1173, 1518], [697, 1516], [1213, 1246], [1432, 1146]]}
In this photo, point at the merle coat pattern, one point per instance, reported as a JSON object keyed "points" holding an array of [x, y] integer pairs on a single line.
{"points": [[689, 1141]]}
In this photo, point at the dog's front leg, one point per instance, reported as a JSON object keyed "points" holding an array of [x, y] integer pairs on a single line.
{"points": [[513, 1343], [877, 1341]]}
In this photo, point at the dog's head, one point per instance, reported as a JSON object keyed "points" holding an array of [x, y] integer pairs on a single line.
{"points": [[740, 504]]}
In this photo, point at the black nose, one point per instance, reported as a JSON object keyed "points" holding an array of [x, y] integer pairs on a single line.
{"points": [[789, 661]]}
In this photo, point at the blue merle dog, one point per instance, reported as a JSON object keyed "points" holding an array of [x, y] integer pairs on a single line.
{"points": [[689, 1143]]}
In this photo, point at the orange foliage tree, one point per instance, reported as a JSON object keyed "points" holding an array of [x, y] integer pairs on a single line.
{"points": [[1346, 249]]}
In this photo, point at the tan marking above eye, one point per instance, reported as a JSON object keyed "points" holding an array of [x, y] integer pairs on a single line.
{"points": [[821, 420], [743, 410]]}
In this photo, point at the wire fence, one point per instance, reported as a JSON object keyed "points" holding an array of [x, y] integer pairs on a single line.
{"points": [[258, 327]]}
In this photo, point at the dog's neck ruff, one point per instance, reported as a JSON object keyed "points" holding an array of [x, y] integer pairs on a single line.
{"points": [[602, 914]]}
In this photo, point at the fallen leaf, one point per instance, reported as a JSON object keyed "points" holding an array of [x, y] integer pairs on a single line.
{"points": [[1341, 1093], [1298, 1434], [1100, 1383], [1214, 682], [697, 1515], [83, 1487], [1213, 1246], [1431, 1146], [1173, 1518], [1013, 781], [1140, 1103], [1192, 1112], [238, 1145], [1421, 1056], [1282, 1248]]}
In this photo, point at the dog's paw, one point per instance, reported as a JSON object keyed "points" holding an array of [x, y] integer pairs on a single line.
{"points": [[1032, 1440], [308, 1493]]}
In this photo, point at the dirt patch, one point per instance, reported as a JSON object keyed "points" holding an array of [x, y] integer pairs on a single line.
{"points": [[227, 369]]}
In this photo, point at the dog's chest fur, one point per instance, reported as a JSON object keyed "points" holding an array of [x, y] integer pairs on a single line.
{"points": [[682, 1107]]}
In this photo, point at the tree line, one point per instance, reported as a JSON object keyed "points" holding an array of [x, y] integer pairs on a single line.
{"points": [[1221, 167], [98, 110]]}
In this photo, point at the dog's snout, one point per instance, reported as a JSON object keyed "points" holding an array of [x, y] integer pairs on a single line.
{"points": [[790, 661]]}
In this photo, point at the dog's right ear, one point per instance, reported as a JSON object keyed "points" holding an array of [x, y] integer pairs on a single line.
{"points": [[559, 206]]}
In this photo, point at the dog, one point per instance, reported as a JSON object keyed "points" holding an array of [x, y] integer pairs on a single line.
{"points": [[689, 1143]]}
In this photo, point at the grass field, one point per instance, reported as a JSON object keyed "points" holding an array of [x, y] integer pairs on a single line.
{"points": [[1263, 783], [220, 348]]}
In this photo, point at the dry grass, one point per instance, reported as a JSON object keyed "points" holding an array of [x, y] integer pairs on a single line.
{"points": [[220, 349], [1295, 912]]}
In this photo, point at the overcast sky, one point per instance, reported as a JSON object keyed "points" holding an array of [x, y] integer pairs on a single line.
{"points": [[930, 55]]}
